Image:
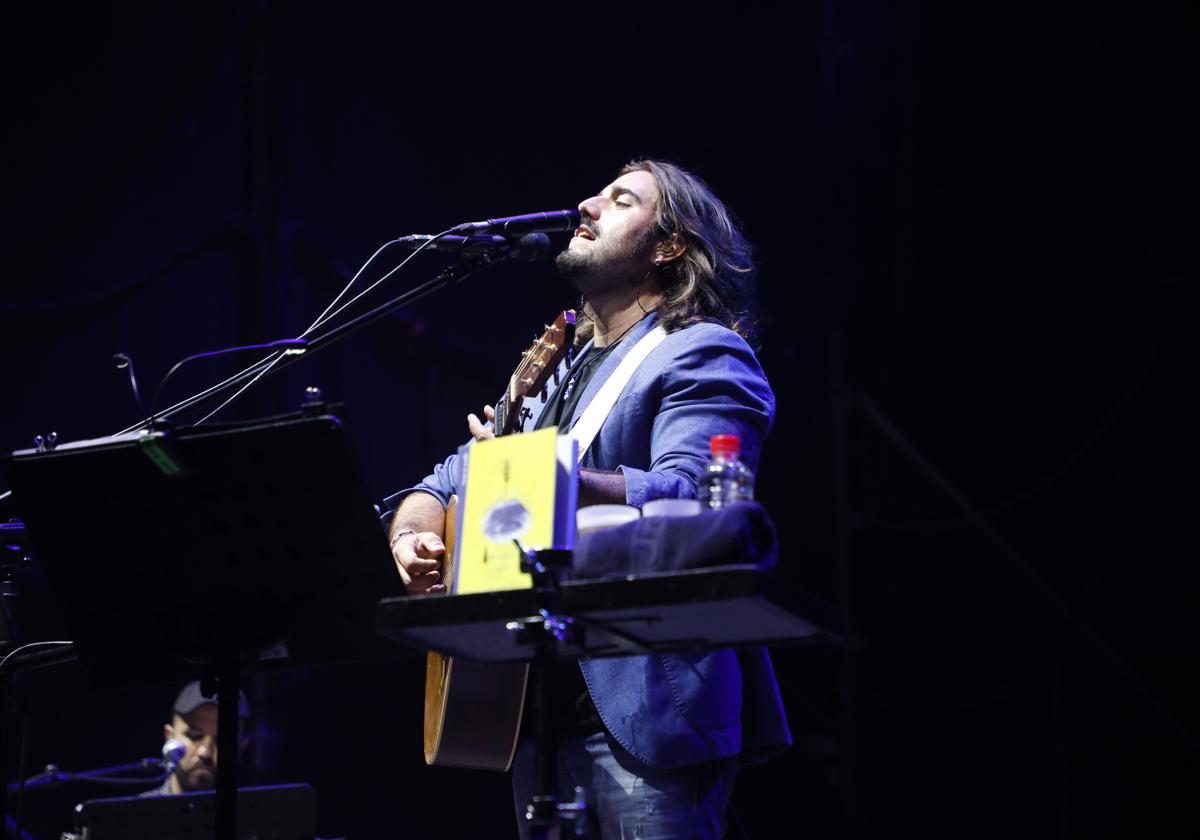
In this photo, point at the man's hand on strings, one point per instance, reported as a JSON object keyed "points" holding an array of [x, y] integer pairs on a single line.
{"points": [[478, 430]]}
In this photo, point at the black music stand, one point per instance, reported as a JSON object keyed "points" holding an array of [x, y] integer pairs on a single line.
{"points": [[206, 551], [280, 812], [720, 606], [696, 609]]}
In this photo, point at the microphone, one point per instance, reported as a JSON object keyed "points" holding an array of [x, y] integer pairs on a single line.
{"points": [[465, 245], [173, 751], [529, 248], [551, 220]]}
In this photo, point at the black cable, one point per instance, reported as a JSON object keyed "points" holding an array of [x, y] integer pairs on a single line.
{"points": [[260, 367], [290, 345], [122, 361], [326, 316]]}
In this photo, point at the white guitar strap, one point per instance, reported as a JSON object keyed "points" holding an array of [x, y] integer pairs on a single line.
{"points": [[598, 409]]}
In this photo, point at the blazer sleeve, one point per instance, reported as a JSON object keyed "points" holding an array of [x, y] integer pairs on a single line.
{"points": [[710, 384], [446, 479]]}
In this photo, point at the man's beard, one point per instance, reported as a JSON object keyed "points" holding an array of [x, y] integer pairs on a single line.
{"points": [[200, 777], [596, 270], [579, 270]]}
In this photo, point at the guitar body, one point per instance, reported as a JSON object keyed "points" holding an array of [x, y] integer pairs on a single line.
{"points": [[472, 709]]}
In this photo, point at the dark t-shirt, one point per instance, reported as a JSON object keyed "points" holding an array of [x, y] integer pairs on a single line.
{"points": [[560, 410]]}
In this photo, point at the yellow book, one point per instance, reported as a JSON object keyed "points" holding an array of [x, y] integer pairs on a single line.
{"points": [[519, 487]]}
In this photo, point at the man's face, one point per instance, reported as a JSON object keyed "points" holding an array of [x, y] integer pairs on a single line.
{"points": [[197, 731], [614, 244]]}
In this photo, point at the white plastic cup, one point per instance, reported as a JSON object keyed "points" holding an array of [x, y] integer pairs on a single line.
{"points": [[672, 507], [598, 517]]}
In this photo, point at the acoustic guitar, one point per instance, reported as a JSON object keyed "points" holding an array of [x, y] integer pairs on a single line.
{"points": [[473, 709]]}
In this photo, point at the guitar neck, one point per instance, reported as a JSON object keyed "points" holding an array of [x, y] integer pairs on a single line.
{"points": [[538, 364], [508, 414], [501, 424]]}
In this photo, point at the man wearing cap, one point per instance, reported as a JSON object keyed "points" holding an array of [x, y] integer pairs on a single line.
{"points": [[193, 729]]}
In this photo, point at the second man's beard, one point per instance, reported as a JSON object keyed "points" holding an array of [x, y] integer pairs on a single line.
{"points": [[198, 778]]}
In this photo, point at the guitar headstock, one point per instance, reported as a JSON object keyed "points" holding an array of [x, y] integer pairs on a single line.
{"points": [[538, 364]]}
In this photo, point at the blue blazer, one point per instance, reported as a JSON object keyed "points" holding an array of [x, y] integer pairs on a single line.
{"points": [[672, 710]]}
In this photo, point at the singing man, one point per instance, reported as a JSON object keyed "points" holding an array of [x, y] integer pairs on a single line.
{"points": [[656, 739]]}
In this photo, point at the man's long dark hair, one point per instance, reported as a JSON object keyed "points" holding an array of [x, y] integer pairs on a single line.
{"points": [[714, 278]]}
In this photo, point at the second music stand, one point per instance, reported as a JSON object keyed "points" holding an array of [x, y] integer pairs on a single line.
{"points": [[206, 551]]}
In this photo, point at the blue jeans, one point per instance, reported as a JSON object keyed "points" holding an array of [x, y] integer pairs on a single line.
{"points": [[627, 800]]}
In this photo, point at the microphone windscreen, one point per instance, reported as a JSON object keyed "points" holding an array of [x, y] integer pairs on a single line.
{"points": [[531, 247], [173, 750]]}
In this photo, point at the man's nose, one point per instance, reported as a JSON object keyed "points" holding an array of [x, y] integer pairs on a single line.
{"points": [[207, 748], [590, 207]]}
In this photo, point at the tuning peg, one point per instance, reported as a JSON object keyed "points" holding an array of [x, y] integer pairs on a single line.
{"points": [[46, 443]]}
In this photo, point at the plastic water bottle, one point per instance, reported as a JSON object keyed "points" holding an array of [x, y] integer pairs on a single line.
{"points": [[725, 479]]}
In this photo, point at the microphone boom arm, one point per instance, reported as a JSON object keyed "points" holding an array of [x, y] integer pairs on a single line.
{"points": [[451, 275]]}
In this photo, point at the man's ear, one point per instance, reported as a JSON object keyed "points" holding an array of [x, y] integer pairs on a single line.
{"points": [[669, 250], [168, 732]]}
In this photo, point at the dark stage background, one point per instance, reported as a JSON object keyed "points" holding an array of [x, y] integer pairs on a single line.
{"points": [[978, 261]]}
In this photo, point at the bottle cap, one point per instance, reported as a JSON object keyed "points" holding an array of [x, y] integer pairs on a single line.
{"points": [[725, 444]]}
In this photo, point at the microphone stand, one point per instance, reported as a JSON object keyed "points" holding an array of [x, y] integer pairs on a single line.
{"points": [[448, 276], [118, 774], [54, 776]]}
